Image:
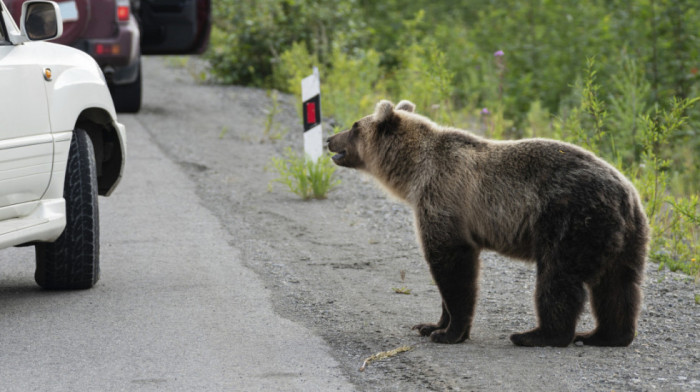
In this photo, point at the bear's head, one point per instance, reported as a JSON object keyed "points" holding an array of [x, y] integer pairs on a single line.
{"points": [[370, 137]]}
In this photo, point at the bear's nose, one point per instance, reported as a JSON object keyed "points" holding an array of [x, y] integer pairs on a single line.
{"points": [[328, 143]]}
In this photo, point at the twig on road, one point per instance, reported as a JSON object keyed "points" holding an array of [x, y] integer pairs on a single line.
{"points": [[383, 355]]}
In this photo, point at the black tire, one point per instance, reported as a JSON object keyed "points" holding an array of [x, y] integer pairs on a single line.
{"points": [[72, 261], [127, 97]]}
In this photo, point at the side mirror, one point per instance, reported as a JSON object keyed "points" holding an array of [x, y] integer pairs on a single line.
{"points": [[41, 20]]}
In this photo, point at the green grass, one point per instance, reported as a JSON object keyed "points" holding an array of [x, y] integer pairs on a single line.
{"points": [[529, 67], [401, 290], [304, 177], [271, 131]]}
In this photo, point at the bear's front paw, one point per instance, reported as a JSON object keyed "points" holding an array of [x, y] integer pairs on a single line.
{"points": [[425, 329], [444, 336]]}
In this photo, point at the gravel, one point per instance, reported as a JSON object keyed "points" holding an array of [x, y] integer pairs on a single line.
{"points": [[333, 264]]}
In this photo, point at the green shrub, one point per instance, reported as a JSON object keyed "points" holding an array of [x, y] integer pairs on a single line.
{"points": [[628, 103], [422, 75], [248, 36], [295, 64], [305, 177], [674, 220], [271, 131], [350, 88], [538, 121], [509, 68]]}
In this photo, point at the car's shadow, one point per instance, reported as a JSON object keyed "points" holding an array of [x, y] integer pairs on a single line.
{"points": [[17, 280], [11, 290]]}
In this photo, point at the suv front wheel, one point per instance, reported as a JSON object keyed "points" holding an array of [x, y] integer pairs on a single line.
{"points": [[72, 261]]}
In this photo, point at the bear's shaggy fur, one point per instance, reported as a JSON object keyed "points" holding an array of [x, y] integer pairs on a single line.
{"points": [[539, 200]]}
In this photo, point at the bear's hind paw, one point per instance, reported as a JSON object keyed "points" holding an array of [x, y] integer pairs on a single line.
{"points": [[595, 338], [536, 338]]}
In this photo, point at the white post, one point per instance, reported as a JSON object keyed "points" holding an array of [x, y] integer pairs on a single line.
{"points": [[311, 109]]}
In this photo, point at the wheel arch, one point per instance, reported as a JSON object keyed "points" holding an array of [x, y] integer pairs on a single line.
{"points": [[107, 137]]}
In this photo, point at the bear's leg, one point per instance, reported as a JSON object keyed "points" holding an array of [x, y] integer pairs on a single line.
{"points": [[615, 301], [559, 301], [455, 270], [428, 328]]}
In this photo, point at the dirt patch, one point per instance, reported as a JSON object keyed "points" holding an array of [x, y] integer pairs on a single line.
{"points": [[332, 265]]}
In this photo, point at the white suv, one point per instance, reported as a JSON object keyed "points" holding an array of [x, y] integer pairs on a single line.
{"points": [[60, 146]]}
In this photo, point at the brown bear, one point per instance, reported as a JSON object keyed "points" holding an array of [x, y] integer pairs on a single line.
{"points": [[538, 200]]}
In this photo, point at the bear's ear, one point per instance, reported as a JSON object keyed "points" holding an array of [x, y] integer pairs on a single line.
{"points": [[406, 106], [383, 111]]}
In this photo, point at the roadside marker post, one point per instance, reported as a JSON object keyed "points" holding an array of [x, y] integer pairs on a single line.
{"points": [[311, 109]]}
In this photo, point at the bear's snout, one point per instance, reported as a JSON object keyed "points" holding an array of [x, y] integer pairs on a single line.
{"points": [[343, 149], [333, 147], [333, 143]]}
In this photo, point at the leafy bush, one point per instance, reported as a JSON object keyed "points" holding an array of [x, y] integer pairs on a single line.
{"points": [[305, 177], [674, 220], [353, 82], [508, 69], [249, 36]]}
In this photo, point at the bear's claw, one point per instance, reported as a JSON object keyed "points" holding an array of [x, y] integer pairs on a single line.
{"points": [[443, 336], [425, 329]]}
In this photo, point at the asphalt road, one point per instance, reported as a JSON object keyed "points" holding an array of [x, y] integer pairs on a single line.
{"points": [[214, 280], [174, 310]]}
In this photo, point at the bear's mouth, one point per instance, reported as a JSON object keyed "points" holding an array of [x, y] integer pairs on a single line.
{"points": [[339, 156]]}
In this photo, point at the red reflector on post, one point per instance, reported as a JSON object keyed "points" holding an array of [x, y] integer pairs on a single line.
{"points": [[123, 13], [311, 112], [311, 109]]}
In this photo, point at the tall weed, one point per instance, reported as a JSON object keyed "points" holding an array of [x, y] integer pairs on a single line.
{"points": [[510, 68], [350, 88], [295, 64], [422, 75], [673, 219], [305, 177]]}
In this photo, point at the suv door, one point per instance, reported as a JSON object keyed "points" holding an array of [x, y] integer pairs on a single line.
{"points": [[26, 143], [173, 26]]}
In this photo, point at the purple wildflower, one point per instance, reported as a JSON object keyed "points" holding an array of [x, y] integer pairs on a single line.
{"points": [[485, 111], [498, 53]]}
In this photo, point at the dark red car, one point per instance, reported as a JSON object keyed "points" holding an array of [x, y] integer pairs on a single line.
{"points": [[117, 32]]}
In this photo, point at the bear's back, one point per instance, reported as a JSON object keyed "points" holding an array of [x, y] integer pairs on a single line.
{"points": [[514, 192]]}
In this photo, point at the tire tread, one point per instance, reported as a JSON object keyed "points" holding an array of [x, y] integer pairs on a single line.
{"points": [[72, 261]]}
